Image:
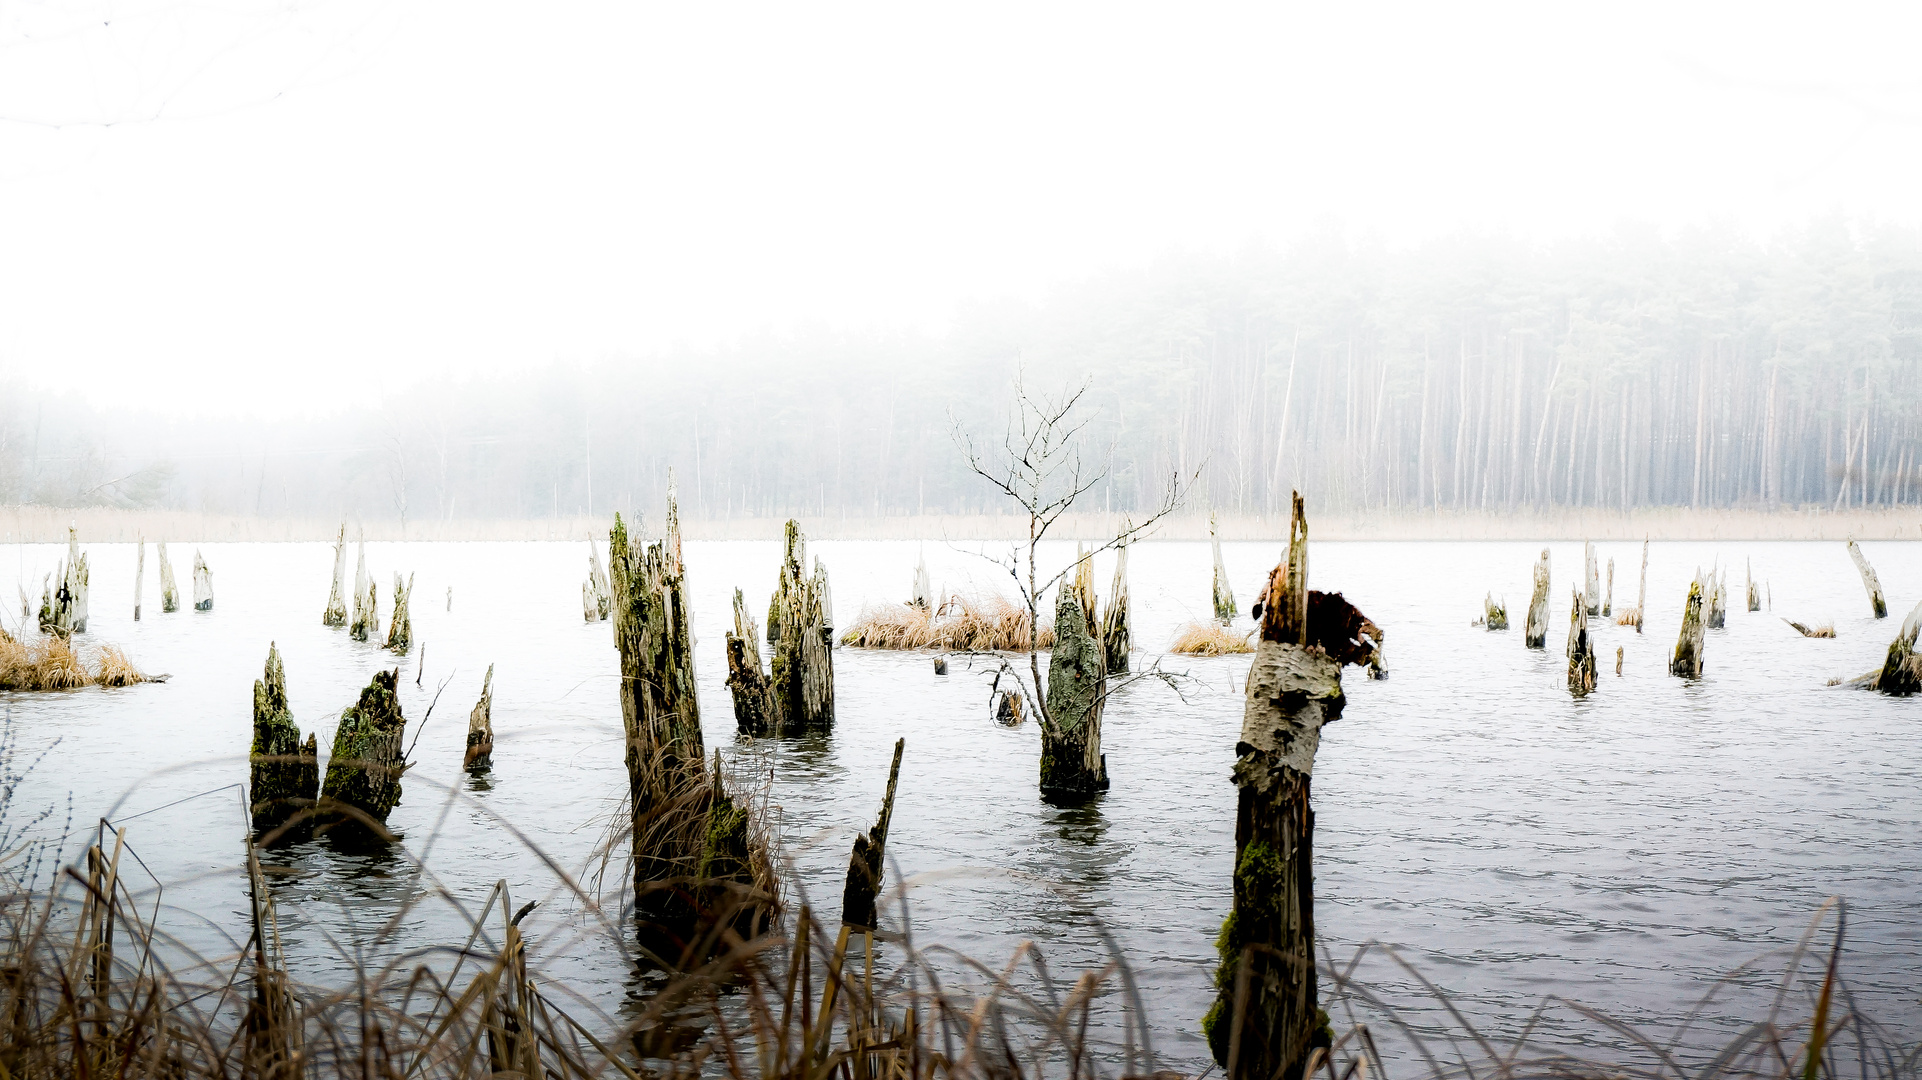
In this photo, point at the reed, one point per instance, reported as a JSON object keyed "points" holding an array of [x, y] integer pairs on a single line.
{"points": [[962, 624], [1819, 630], [1210, 639], [51, 662]]}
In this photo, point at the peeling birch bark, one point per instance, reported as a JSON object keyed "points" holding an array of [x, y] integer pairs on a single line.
{"points": [[1494, 613], [139, 575], [362, 785], [480, 729], [203, 584], [1687, 662], [1581, 654], [1072, 764], [1117, 636], [1224, 594], [1869, 581], [1535, 631], [1591, 579], [169, 596], [335, 613], [1266, 1017], [400, 633], [284, 774], [755, 712]]}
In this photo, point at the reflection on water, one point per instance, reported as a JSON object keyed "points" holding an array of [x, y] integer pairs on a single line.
{"points": [[1621, 851]]}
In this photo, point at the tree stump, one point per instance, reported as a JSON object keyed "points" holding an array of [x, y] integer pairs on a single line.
{"points": [[203, 585], [1591, 579], [794, 557], [1266, 1017], [284, 774], [923, 596], [480, 729], [335, 613], [139, 574], [1754, 594], [1072, 764], [598, 589], [1007, 708], [1581, 655], [801, 676], [366, 610], [400, 633], [1687, 662], [1494, 613], [1224, 594], [1608, 598], [1718, 600], [364, 771], [169, 596], [1117, 635], [755, 712], [1535, 631], [1869, 581]]}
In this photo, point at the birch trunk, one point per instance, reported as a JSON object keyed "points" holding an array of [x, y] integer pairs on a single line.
{"points": [[1869, 581]]}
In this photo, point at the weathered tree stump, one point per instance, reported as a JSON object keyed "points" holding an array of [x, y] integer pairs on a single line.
{"points": [[1687, 662], [1718, 600], [1494, 613], [139, 575], [1634, 618], [335, 613], [1007, 708], [1869, 581], [923, 596], [169, 596], [1224, 594], [801, 676], [366, 609], [1618, 660], [1581, 654], [590, 604], [755, 711], [203, 584], [794, 558], [1901, 674], [868, 860], [1535, 631], [400, 633], [940, 665], [1117, 635], [1072, 764], [284, 777], [362, 785], [480, 729], [1608, 598], [598, 588], [1754, 594], [1591, 579], [1266, 1017]]}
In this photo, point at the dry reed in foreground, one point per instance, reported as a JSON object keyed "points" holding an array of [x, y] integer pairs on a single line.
{"points": [[1210, 639], [962, 624], [54, 663]]}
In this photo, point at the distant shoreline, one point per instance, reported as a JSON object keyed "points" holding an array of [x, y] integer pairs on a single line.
{"points": [[40, 524]]}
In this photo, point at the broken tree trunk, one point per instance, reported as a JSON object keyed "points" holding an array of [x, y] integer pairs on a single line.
{"points": [[801, 675], [76, 581], [1072, 764], [169, 596], [1266, 1016], [362, 785], [923, 596], [336, 612], [1608, 598], [858, 906], [1869, 582], [203, 585], [1717, 600], [1687, 662], [755, 712], [284, 776], [794, 557], [602, 595], [480, 729], [1007, 708], [400, 634], [366, 616], [139, 575], [1591, 579], [1901, 674], [1117, 636], [1535, 631], [1754, 594], [1494, 613], [1224, 594], [1581, 653], [590, 604]]}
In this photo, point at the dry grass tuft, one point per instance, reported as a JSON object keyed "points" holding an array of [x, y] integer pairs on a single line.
{"points": [[1825, 630], [962, 624], [1211, 639], [52, 663]]}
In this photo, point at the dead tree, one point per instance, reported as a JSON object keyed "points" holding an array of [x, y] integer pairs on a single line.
{"points": [[1717, 600], [366, 605], [794, 561], [1266, 1017], [1072, 764], [362, 785], [1535, 631], [1869, 581], [1608, 598], [169, 596], [139, 575], [1591, 579], [336, 610], [597, 587], [1116, 630], [1687, 662], [1901, 674], [801, 672], [923, 596], [1581, 653], [1224, 594], [480, 729], [1494, 613], [400, 633], [203, 585], [1754, 594], [284, 773], [755, 712]]}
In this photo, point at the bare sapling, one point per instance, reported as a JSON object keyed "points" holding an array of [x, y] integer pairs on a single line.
{"points": [[1581, 652], [1266, 1019], [1535, 631], [1224, 593], [479, 757], [1869, 581], [335, 613], [169, 595], [1687, 662], [1591, 579], [284, 777]]}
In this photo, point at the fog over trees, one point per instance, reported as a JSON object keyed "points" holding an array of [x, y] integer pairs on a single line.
{"points": [[1705, 370]]}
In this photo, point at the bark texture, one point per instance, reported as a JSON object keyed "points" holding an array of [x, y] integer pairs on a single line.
{"points": [[365, 768], [1535, 632], [1117, 634], [336, 611], [169, 596], [1869, 581], [203, 584], [284, 774], [1071, 760], [480, 729], [1687, 662], [1581, 653]]}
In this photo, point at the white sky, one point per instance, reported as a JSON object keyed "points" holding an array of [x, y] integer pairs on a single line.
{"points": [[238, 205]]}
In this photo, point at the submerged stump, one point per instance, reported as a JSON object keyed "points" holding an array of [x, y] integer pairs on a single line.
{"points": [[1901, 674], [1535, 631], [801, 674], [1117, 635], [1581, 653], [203, 584], [1266, 1017], [1869, 581], [1224, 594], [139, 575], [362, 785], [366, 608], [1718, 600], [1007, 708], [1591, 579], [1687, 661], [755, 712], [1608, 598], [400, 633], [1072, 763], [335, 614], [1754, 594], [284, 773], [1494, 613], [169, 595], [479, 757]]}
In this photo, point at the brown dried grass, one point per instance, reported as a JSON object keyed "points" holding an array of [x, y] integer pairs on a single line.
{"points": [[962, 624], [1211, 639], [52, 663], [1824, 630]]}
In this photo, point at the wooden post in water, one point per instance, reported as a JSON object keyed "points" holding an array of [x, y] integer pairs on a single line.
{"points": [[1869, 581], [1266, 1016], [335, 613], [284, 775], [1687, 662], [1535, 631], [1072, 764], [1591, 579], [364, 771], [1581, 654], [203, 584], [480, 729], [169, 596], [1117, 634], [1224, 594]]}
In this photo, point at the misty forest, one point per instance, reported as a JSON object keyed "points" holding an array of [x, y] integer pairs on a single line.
{"points": [[1475, 375]]}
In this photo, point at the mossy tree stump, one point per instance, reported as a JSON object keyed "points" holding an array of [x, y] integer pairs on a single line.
{"points": [[1267, 1017], [1687, 661], [1535, 631], [1072, 764], [1581, 652], [284, 773], [479, 757], [364, 771]]}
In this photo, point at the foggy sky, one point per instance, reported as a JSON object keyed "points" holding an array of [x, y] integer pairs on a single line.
{"points": [[268, 208]]}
